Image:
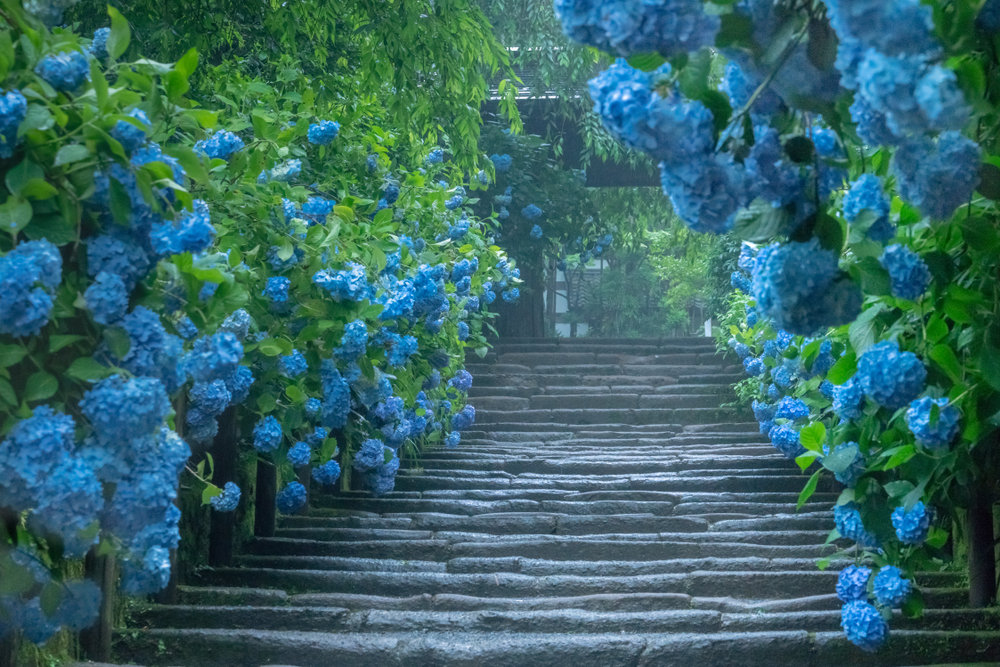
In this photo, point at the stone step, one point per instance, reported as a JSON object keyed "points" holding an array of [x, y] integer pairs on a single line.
{"points": [[703, 583], [554, 547], [590, 390], [212, 647], [650, 416], [610, 400]]}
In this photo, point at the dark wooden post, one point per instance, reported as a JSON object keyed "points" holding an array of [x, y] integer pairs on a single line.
{"points": [[95, 641], [982, 550], [223, 524], [267, 489]]}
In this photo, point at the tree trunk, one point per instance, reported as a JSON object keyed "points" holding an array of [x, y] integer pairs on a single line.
{"points": [[220, 538], [95, 641], [982, 550], [267, 490]]}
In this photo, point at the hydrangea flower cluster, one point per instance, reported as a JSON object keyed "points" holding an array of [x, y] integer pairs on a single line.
{"points": [[849, 525], [292, 498], [327, 474], [890, 377], [933, 431], [799, 287], [228, 500], [220, 145], [323, 132], [908, 273], [267, 435], [65, 71], [28, 276], [912, 525], [627, 28], [13, 109]]}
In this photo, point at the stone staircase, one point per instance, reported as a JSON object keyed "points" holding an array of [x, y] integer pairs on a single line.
{"points": [[607, 511]]}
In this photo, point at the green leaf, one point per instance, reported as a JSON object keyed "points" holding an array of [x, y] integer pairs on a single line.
{"points": [[210, 491], [813, 436], [40, 386], [7, 394], [808, 490], [913, 606], [120, 35], [899, 488], [88, 369], [37, 117], [58, 342], [71, 153], [841, 458], [188, 63], [693, 79], [15, 214], [295, 394], [646, 62], [806, 460], [266, 403], [844, 369], [937, 537], [944, 357], [270, 347], [862, 331], [735, 30], [11, 354], [118, 340], [901, 456], [936, 329]]}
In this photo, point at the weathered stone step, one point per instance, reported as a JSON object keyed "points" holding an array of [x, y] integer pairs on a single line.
{"points": [[611, 400], [632, 461], [342, 619], [212, 647], [542, 547], [822, 498], [651, 416], [757, 585]]}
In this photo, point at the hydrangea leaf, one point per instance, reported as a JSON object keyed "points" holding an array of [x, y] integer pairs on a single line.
{"points": [[40, 386], [120, 35], [808, 490], [15, 214], [841, 458]]}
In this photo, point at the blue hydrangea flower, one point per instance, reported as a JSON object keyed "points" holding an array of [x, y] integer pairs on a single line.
{"points": [[462, 380], [908, 273], [336, 396], [132, 135], [316, 438], [293, 365], [228, 500], [107, 298], [148, 573], [13, 109], [536, 232], [284, 172], [27, 275], [193, 231], [327, 474], [798, 286], [452, 439], [890, 588], [791, 408], [531, 212], [848, 400], [402, 348], [937, 177], [826, 389], [79, 606], [852, 584], [786, 440], [237, 323], [323, 132], [354, 342], [775, 178], [940, 433], [501, 163], [350, 284], [213, 357], [382, 480], [291, 499], [239, 384], [369, 455], [511, 294], [863, 625], [464, 418], [186, 328], [463, 331], [890, 377], [208, 290], [626, 28], [436, 156], [152, 351], [64, 71], [299, 454], [458, 230], [220, 146], [912, 526], [866, 194], [754, 367], [316, 209], [740, 282], [848, 521], [276, 289], [752, 316], [122, 410], [99, 44], [267, 435]]}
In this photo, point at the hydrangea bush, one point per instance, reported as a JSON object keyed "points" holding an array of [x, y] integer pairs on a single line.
{"points": [[852, 145], [272, 251]]}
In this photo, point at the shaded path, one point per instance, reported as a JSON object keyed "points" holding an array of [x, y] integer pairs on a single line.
{"points": [[608, 511]]}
